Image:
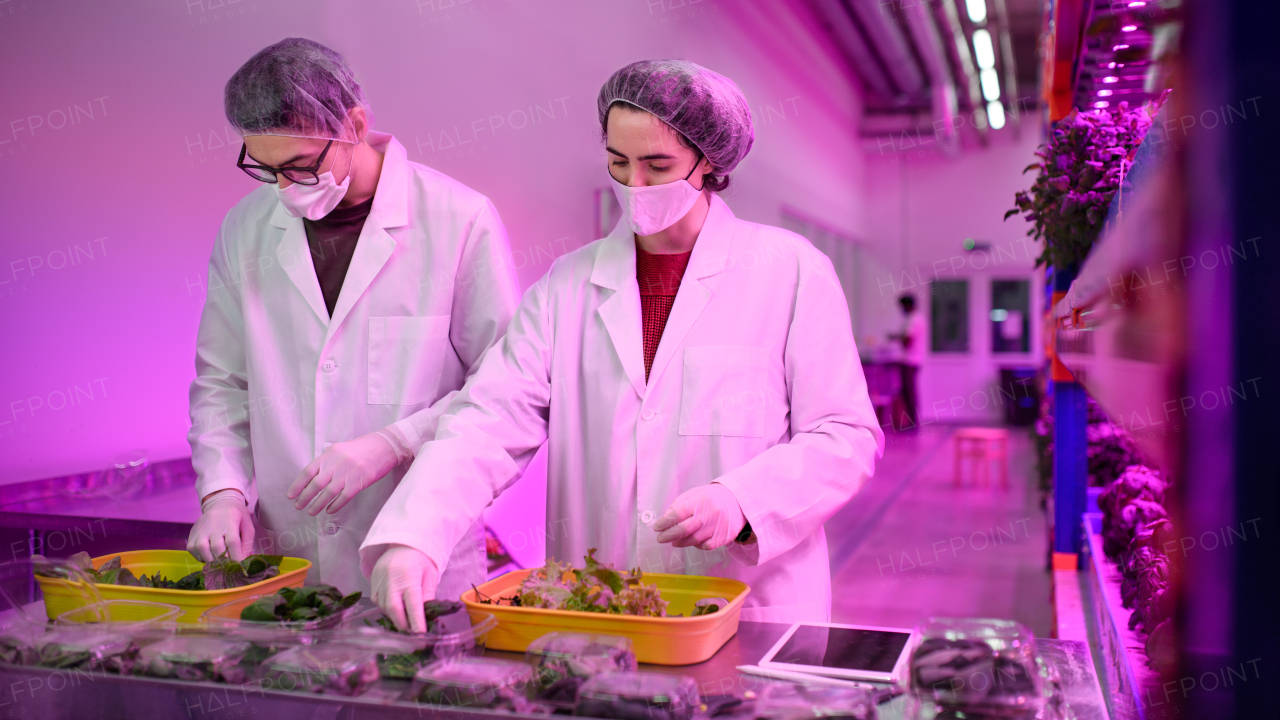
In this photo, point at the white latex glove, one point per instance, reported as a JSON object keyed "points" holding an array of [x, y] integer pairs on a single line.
{"points": [[708, 517], [341, 472], [225, 524], [403, 579]]}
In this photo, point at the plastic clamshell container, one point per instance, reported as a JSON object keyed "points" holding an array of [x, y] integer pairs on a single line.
{"points": [[122, 614], [75, 646], [332, 668], [629, 695], [62, 595], [659, 641], [475, 682], [563, 661], [976, 667], [401, 655], [201, 658], [802, 702], [227, 615]]}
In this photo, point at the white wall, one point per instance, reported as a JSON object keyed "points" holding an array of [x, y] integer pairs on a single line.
{"points": [[922, 204]]}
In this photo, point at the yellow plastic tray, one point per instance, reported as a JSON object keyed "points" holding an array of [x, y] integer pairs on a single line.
{"points": [[660, 641], [61, 596]]}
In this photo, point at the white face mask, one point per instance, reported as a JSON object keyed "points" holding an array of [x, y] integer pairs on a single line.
{"points": [[652, 209], [315, 201]]}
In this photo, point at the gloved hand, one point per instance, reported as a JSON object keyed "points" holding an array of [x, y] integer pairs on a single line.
{"points": [[708, 517], [340, 472], [403, 579], [225, 524]]}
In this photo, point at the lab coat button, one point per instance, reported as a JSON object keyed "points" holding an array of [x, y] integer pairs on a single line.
{"points": [[331, 528], [329, 366], [649, 415], [646, 517]]}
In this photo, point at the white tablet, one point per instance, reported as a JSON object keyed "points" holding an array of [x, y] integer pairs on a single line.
{"points": [[856, 652]]}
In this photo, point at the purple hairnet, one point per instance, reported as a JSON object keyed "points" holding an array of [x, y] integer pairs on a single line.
{"points": [[704, 106], [295, 88]]}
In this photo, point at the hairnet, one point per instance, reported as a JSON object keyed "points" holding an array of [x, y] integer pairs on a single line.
{"points": [[704, 106], [295, 88]]}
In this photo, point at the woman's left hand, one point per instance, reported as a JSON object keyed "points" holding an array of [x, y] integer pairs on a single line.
{"points": [[708, 517]]}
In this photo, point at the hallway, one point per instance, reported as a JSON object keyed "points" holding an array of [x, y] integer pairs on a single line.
{"points": [[910, 545]]}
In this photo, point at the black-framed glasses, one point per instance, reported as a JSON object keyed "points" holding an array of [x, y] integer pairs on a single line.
{"points": [[267, 174]]}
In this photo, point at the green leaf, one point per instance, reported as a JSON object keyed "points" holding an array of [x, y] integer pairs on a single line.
{"points": [[264, 609]]}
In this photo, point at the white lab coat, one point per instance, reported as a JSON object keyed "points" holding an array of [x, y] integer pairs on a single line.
{"points": [[431, 287], [756, 385]]}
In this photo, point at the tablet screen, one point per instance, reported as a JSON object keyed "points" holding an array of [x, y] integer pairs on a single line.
{"points": [[843, 648]]}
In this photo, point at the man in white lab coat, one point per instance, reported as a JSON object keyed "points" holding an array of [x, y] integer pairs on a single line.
{"points": [[694, 374], [349, 298]]}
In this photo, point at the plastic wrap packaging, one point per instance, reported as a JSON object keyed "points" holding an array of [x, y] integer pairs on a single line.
{"points": [[476, 683], [638, 696], [564, 661], [79, 647], [334, 668], [199, 658], [450, 634], [976, 669], [801, 702]]}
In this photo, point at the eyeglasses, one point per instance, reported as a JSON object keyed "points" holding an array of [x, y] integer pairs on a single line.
{"points": [[267, 174]]}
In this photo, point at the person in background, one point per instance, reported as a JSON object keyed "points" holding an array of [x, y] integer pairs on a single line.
{"points": [[350, 295], [694, 375], [913, 342]]}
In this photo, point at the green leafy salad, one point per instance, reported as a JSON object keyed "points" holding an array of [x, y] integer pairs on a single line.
{"points": [[597, 587], [220, 573]]}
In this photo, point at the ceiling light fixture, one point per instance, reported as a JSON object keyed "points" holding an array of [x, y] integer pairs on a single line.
{"points": [[1129, 28], [1119, 47], [990, 84], [977, 10], [1101, 104], [1104, 92], [995, 115], [983, 51], [1110, 79]]}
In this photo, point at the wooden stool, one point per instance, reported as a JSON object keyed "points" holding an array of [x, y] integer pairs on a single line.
{"points": [[983, 446]]}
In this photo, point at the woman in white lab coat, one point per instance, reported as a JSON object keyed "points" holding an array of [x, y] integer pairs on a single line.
{"points": [[317, 380], [705, 419]]}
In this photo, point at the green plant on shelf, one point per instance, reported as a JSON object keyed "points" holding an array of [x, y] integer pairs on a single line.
{"points": [[1081, 168]]}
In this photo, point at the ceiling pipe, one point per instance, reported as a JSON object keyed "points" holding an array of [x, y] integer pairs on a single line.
{"points": [[942, 90], [878, 24], [866, 65]]}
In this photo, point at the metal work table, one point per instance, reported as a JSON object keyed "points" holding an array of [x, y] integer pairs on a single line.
{"points": [[27, 692]]}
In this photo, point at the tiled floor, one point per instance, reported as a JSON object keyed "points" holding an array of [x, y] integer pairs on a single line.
{"points": [[911, 545]]}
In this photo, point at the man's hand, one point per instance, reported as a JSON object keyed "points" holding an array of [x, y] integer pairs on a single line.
{"points": [[225, 525], [708, 517], [333, 479], [403, 579]]}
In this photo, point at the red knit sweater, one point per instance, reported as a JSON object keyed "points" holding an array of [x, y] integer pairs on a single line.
{"points": [[659, 277]]}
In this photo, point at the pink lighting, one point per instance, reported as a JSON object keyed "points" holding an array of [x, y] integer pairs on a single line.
{"points": [[1129, 28], [1101, 104], [1119, 47], [1110, 79], [1137, 3], [1104, 92], [1111, 65]]}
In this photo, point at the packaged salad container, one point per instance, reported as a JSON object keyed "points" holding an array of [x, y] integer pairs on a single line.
{"points": [[803, 702], [200, 658], [974, 668], [329, 668], [301, 610], [80, 647], [474, 682], [451, 632], [638, 696], [122, 614], [658, 640], [564, 661]]}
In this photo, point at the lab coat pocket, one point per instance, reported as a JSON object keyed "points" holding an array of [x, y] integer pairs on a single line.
{"points": [[724, 391], [406, 357]]}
